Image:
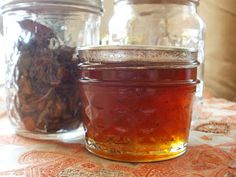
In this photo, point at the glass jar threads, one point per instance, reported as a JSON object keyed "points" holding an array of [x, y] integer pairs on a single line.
{"points": [[42, 40]]}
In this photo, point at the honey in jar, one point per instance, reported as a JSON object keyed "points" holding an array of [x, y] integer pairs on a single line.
{"points": [[137, 102]]}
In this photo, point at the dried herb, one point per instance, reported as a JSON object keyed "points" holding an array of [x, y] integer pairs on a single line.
{"points": [[45, 75]]}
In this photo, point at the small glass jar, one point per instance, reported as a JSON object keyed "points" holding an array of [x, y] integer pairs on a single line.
{"points": [[137, 102], [162, 23], [42, 39]]}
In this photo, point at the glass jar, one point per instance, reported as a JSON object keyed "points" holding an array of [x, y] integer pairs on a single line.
{"points": [[163, 23], [137, 102], [42, 39]]}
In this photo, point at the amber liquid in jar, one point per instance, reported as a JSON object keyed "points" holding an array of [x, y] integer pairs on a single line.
{"points": [[137, 113]]}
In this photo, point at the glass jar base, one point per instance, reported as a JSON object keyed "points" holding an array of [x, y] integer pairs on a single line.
{"points": [[153, 156], [74, 135]]}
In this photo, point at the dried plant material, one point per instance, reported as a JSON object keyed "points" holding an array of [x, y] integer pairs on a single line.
{"points": [[45, 75]]}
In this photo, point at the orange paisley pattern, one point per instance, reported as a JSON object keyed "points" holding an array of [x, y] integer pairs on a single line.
{"points": [[209, 154]]}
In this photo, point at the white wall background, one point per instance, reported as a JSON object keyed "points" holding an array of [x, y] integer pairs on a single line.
{"points": [[2, 58]]}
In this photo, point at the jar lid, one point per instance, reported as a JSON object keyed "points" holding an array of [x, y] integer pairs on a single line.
{"points": [[6, 5], [139, 54], [159, 1]]}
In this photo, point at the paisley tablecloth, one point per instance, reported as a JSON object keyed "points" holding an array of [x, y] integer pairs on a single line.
{"points": [[211, 152]]}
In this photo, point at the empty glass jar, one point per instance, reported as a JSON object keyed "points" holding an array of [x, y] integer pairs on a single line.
{"points": [[162, 23], [42, 38]]}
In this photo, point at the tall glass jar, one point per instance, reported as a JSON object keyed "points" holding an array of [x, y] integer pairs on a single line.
{"points": [[42, 38], [162, 23]]}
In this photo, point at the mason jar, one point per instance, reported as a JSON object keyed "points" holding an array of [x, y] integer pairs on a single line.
{"points": [[163, 23], [42, 38], [137, 101]]}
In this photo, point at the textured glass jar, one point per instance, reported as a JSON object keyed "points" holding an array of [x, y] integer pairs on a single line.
{"points": [[163, 23], [42, 39], [137, 101]]}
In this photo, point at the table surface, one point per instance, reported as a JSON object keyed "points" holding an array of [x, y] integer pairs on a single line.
{"points": [[211, 152]]}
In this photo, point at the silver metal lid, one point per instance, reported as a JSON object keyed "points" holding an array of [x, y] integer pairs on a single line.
{"points": [[6, 5], [135, 53]]}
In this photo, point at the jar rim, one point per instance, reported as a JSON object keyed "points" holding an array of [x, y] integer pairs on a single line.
{"points": [[138, 53], [93, 5], [196, 2]]}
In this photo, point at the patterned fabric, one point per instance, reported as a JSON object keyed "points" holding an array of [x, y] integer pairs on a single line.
{"points": [[211, 153]]}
